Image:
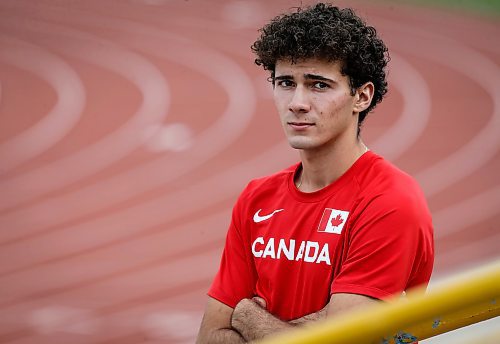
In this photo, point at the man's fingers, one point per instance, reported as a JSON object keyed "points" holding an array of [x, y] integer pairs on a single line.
{"points": [[260, 301]]}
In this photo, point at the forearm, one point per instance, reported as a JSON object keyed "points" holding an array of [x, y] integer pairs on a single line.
{"points": [[220, 336], [254, 322], [309, 318], [216, 327], [251, 319]]}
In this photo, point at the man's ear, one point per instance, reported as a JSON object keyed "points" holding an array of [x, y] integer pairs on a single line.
{"points": [[364, 96]]}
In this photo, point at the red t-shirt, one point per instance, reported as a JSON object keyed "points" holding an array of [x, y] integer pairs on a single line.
{"points": [[370, 232]]}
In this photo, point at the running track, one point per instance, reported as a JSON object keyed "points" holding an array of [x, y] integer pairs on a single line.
{"points": [[128, 128]]}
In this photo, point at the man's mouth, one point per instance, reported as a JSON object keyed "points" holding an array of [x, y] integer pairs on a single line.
{"points": [[300, 125]]}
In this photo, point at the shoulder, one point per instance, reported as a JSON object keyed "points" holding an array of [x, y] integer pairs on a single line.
{"points": [[268, 184], [383, 177], [391, 207], [385, 185]]}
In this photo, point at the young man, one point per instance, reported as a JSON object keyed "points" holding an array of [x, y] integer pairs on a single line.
{"points": [[343, 227]]}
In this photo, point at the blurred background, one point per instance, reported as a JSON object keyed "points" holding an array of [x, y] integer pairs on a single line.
{"points": [[128, 129]]}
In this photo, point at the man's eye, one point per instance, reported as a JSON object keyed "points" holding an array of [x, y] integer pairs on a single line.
{"points": [[285, 83], [320, 85]]}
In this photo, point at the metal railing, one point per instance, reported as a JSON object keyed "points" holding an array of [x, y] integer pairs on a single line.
{"points": [[460, 301]]}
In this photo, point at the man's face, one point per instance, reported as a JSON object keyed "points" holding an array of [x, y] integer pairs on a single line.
{"points": [[315, 104]]}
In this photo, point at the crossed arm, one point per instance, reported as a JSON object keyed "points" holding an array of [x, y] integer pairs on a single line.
{"points": [[250, 320]]}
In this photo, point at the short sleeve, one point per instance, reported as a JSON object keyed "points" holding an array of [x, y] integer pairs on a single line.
{"points": [[236, 277], [389, 247]]}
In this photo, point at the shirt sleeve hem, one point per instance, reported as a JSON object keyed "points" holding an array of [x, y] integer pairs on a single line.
{"points": [[362, 290], [221, 297]]}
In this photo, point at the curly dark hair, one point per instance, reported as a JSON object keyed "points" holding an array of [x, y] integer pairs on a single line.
{"points": [[327, 32]]}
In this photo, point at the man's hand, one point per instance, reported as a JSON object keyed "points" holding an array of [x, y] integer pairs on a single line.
{"points": [[253, 321]]}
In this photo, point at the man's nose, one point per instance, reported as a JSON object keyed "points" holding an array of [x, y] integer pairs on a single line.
{"points": [[300, 101]]}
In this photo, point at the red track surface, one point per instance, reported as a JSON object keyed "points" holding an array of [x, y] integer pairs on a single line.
{"points": [[128, 128]]}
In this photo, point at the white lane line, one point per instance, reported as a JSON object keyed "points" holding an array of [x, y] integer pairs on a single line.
{"points": [[111, 148], [154, 212], [225, 72], [187, 305], [486, 143], [132, 319], [467, 212], [179, 325], [221, 134], [143, 281], [52, 319], [151, 318], [142, 249], [240, 14], [61, 118], [218, 67], [457, 259], [462, 215], [415, 114]]}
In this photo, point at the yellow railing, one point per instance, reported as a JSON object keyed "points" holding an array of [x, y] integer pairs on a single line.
{"points": [[461, 301]]}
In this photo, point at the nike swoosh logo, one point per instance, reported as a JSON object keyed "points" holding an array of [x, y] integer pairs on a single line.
{"points": [[257, 218]]}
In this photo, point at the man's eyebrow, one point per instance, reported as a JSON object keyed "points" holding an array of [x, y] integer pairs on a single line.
{"points": [[316, 77], [283, 77], [306, 76]]}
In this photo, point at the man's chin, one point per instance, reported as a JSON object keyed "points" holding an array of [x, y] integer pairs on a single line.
{"points": [[300, 144]]}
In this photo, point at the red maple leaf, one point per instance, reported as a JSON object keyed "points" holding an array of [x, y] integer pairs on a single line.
{"points": [[337, 221]]}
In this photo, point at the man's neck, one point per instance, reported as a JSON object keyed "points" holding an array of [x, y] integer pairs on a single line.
{"points": [[321, 168]]}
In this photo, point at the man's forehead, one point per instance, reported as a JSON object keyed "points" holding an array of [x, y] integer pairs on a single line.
{"points": [[311, 66]]}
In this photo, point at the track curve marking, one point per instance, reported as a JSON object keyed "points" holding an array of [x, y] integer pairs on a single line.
{"points": [[62, 117]]}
